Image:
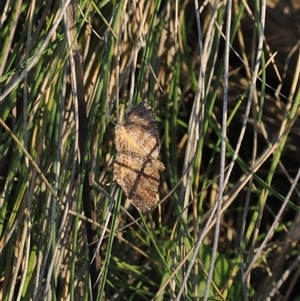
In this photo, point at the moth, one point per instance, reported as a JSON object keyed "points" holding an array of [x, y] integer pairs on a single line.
{"points": [[137, 167]]}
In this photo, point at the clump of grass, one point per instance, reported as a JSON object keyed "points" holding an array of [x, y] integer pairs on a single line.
{"points": [[227, 225]]}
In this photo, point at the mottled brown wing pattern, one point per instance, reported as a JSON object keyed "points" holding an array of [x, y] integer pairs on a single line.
{"points": [[136, 167], [141, 125], [139, 179], [125, 144]]}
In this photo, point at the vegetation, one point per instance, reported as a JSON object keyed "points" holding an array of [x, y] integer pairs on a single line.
{"points": [[226, 100]]}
